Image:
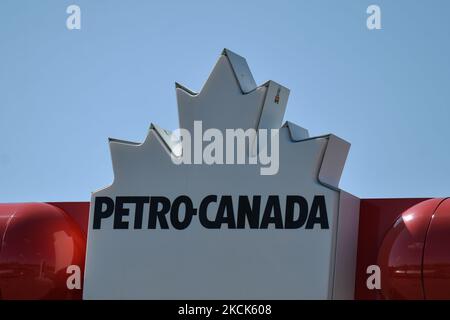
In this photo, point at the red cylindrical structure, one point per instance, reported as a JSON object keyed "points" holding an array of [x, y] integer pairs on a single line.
{"points": [[38, 242], [436, 260], [414, 256]]}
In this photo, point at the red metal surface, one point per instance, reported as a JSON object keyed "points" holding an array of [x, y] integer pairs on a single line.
{"points": [[78, 211], [38, 242], [401, 252], [376, 217], [436, 260]]}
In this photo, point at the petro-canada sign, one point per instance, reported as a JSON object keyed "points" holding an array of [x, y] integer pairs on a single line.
{"points": [[169, 228]]}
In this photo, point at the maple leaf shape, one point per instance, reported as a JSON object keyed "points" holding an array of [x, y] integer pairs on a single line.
{"points": [[309, 166]]}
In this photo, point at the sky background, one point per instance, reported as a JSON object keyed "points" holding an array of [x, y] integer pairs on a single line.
{"points": [[63, 93]]}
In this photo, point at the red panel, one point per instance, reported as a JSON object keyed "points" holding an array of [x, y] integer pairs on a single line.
{"points": [[6, 212], [436, 262], [376, 217], [39, 242], [401, 253], [79, 211]]}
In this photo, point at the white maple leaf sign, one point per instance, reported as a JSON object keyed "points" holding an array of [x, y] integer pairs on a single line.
{"points": [[217, 231]]}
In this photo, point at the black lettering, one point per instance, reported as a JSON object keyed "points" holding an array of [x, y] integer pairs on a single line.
{"points": [[291, 202], [318, 207], [297, 212], [174, 212], [120, 212], [249, 211], [155, 214], [225, 213], [139, 210], [273, 205], [203, 212], [100, 214]]}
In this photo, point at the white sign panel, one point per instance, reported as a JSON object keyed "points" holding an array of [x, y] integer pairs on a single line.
{"points": [[214, 228]]}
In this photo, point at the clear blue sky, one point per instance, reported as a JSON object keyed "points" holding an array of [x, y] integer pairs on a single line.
{"points": [[63, 93]]}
